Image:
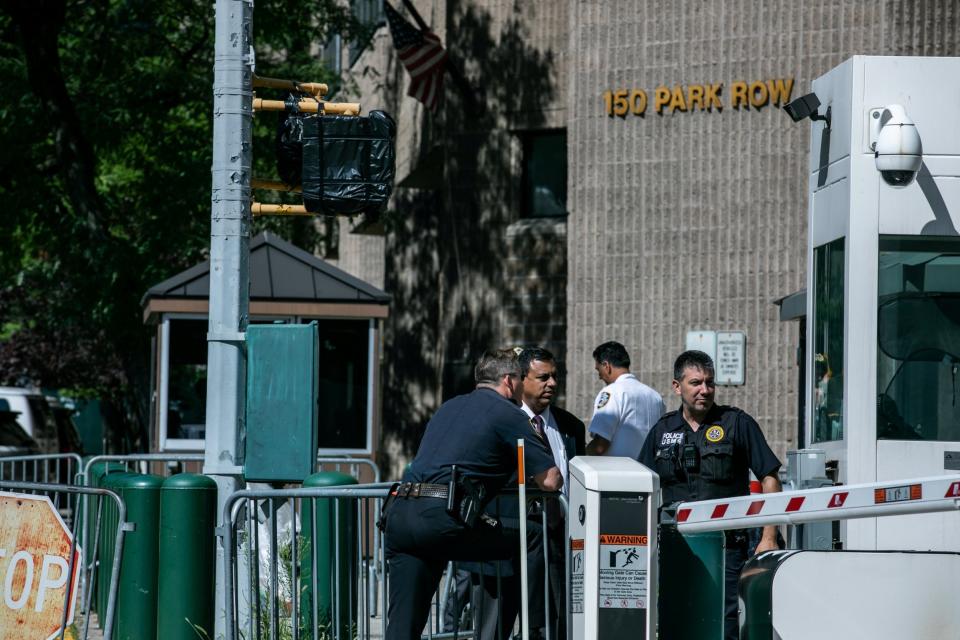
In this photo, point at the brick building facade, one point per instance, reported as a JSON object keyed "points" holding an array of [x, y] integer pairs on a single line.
{"points": [[678, 219]]}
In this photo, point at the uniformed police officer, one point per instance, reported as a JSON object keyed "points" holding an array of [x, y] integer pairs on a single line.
{"points": [[625, 409], [704, 451], [470, 446]]}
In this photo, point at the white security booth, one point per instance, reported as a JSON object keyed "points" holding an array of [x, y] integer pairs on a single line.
{"points": [[612, 526], [883, 283]]}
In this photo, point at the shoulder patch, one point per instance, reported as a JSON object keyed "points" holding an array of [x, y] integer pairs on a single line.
{"points": [[715, 433], [603, 399]]}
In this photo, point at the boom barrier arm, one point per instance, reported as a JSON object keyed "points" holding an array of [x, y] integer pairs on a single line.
{"points": [[842, 502]]}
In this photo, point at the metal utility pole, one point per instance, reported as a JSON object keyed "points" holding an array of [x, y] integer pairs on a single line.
{"points": [[229, 256]]}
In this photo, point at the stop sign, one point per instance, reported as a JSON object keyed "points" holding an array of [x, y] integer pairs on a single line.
{"points": [[34, 568]]}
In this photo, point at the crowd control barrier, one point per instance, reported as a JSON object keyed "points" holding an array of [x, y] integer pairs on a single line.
{"points": [[277, 582], [77, 574], [48, 468]]}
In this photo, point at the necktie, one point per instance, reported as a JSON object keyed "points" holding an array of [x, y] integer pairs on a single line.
{"points": [[539, 427]]}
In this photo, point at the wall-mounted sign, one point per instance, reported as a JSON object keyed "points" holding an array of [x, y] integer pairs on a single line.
{"points": [[698, 97], [705, 341], [731, 356], [727, 349]]}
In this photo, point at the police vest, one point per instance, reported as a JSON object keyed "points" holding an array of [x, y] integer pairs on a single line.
{"points": [[705, 464]]}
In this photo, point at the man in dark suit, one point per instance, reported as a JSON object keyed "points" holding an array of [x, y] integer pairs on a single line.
{"points": [[565, 435], [496, 591]]}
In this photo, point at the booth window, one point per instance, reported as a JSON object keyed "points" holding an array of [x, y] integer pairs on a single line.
{"points": [[187, 379], [828, 273], [545, 174], [918, 338], [346, 385]]}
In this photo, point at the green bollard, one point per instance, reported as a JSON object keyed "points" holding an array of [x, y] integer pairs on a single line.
{"points": [[333, 534], [97, 472], [188, 509], [137, 593], [691, 584], [109, 519]]}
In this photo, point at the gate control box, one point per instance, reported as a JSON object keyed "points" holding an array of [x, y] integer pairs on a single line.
{"points": [[612, 530]]}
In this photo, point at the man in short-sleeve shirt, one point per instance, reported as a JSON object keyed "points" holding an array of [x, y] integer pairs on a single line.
{"points": [[625, 409], [705, 451], [478, 433]]}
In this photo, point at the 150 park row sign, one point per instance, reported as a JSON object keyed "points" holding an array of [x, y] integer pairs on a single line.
{"points": [[698, 97]]}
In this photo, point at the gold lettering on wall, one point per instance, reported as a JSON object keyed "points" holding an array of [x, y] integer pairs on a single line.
{"points": [[699, 97]]}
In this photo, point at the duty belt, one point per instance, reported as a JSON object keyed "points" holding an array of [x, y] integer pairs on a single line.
{"points": [[420, 490]]}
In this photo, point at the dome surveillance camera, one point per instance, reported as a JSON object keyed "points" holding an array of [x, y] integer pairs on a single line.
{"points": [[898, 151]]}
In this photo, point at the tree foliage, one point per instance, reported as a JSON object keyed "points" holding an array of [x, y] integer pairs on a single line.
{"points": [[105, 130]]}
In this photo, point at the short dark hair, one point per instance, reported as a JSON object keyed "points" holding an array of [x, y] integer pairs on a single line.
{"points": [[529, 354], [494, 364], [614, 353], [692, 358]]}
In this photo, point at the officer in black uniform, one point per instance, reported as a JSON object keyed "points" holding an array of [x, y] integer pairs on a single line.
{"points": [[470, 446], [704, 451]]}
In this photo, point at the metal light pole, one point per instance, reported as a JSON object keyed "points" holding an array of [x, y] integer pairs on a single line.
{"points": [[229, 255]]}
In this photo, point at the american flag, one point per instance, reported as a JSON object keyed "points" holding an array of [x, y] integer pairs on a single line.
{"points": [[422, 55]]}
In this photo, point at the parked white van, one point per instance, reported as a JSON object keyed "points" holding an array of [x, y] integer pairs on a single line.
{"points": [[35, 416]]}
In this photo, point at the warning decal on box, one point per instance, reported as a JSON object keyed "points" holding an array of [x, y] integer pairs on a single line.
{"points": [[576, 575], [623, 571]]}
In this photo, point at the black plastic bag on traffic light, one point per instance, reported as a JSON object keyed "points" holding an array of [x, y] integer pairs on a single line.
{"points": [[289, 143], [348, 163]]}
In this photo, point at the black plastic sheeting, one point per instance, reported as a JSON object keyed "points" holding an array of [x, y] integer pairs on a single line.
{"points": [[345, 164]]}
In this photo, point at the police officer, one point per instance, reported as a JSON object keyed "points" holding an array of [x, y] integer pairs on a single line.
{"points": [[625, 409], [469, 446], [704, 451]]}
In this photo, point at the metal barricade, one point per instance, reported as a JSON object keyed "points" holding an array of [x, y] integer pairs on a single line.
{"points": [[275, 542], [284, 579], [48, 468], [161, 464], [68, 496], [364, 470]]}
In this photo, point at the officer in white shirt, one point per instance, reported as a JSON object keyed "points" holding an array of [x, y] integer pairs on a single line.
{"points": [[625, 409]]}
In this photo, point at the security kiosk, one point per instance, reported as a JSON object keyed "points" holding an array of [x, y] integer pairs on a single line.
{"points": [[883, 283], [612, 529]]}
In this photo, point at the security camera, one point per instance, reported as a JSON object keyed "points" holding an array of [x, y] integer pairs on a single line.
{"points": [[806, 107], [898, 151]]}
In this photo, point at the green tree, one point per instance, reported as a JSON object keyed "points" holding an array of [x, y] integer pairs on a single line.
{"points": [[105, 130]]}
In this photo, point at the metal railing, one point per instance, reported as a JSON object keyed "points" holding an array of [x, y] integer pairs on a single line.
{"points": [[48, 468], [70, 495], [359, 468], [300, 563], [162, 464]]}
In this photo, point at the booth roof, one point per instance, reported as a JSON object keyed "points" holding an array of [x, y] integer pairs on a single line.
{"points": [[278, 271]]}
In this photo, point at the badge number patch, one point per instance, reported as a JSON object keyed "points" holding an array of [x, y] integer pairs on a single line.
{"points": [[715, 433], [603, 400]]}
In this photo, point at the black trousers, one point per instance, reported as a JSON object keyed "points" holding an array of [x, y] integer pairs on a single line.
{"points": [[421, 537], [734, 558]]}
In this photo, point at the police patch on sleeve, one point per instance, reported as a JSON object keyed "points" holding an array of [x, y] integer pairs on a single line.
{"points": [[603, 400], [715, 433]]}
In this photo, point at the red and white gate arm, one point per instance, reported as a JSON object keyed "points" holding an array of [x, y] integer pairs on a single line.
{"points": [[918, 495]]}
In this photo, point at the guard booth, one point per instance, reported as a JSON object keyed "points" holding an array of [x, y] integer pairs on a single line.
{"points": [[287, 285], [882, 361]]}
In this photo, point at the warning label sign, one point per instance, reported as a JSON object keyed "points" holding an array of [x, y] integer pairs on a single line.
{"points": [[623, 539], [623, 571], [576, 575]]}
